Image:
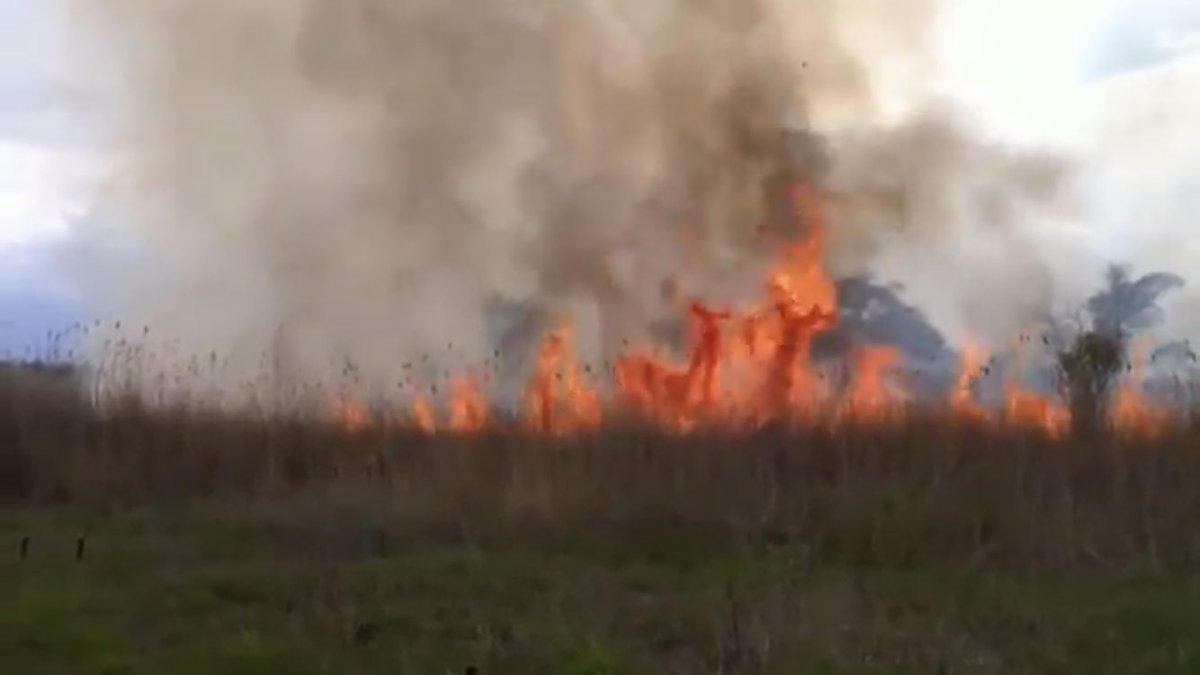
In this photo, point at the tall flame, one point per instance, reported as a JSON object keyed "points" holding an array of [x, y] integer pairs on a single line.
{"points": [[749, 367], [558, 400], [1029, 408], [962, 398], [1131, 413], [468, 407], [869, 399], [422, 415]]}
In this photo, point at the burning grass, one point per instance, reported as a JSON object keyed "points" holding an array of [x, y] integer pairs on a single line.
{"points": [[257, 542], [915, 487], [747, 436], [735, 512], [737, 508]]}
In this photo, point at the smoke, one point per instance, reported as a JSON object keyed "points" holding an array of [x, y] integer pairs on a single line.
{"points": [[311, 182]]}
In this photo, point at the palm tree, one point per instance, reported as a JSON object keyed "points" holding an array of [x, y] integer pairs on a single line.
{"points": [[1094, 359]]}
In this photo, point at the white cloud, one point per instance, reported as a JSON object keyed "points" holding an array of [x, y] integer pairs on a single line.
{"points": [[1019, 63], [41, 187], [1147, 170]]}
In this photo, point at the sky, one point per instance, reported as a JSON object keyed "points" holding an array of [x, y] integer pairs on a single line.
{"points": [[1029, 69]]}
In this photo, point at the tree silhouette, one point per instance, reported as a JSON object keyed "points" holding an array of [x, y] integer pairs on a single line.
{"points": [[1127, 305], [1094, 359]]}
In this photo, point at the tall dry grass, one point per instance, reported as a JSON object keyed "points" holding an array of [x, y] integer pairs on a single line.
{"points": [[927, 487]]}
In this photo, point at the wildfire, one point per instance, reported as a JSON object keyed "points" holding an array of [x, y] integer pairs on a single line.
{"points": [[962, 399], [468, 408], [1027, 408], [1130, 411], [869, 399], [761, 375], [422, 415], [1132, 414], [745, 367], [352, 415], [677, 398], [558, 400]]}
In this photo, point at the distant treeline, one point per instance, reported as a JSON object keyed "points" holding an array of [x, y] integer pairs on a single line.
{"points": [[42, 368]]}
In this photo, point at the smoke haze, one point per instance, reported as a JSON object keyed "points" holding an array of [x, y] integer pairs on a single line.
{"points": [[315, 181]]}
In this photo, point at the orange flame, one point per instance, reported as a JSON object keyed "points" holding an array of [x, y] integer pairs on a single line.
{"points": [[748, 365], [422, 415], [962, 399], [1131, 413], [869, 399], [672, 397], [765, 373], [352, 415], [557, 399], [1026, 408], [468, 408]]}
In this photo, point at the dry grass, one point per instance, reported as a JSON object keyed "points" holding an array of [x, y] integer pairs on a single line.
{"points": [[928, 489]]}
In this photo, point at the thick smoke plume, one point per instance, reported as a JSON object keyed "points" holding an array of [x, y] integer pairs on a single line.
{"points": [[310, 182]]}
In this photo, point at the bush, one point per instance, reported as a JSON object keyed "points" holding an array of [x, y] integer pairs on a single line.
{"points": [[1087, 369]]}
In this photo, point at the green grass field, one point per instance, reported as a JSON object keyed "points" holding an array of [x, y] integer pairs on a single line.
{"points": [[224, 589], [250, 543]]}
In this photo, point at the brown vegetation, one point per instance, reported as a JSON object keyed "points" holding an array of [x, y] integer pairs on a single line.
{"points": [[925, 487]]}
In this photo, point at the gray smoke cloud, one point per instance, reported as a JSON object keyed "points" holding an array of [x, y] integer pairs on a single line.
{"points": [[307, 182]]}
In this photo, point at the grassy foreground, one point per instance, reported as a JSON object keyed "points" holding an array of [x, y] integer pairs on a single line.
{"points": [[251, 588], [219, 542]]}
